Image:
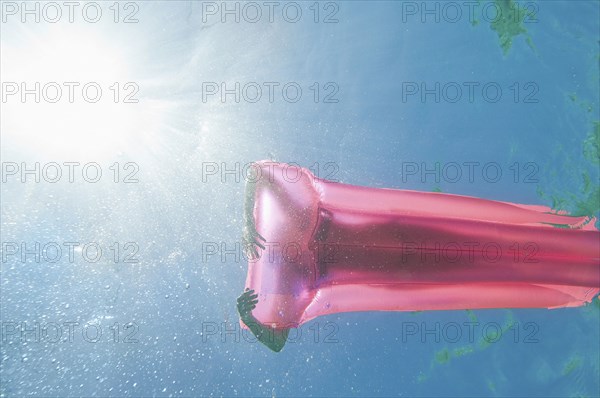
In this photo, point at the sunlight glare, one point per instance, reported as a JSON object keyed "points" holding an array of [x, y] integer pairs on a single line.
{"points": [[81, 99]]}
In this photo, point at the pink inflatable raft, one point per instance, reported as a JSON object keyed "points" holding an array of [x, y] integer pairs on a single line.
{"points": [[331, 247]]}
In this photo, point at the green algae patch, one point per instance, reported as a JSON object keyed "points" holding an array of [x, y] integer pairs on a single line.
{"points": [[591, 145], [462, 351], [490, 339], [491, 386], [442, 356], [573, 363], [585, 105], [445, 355], [589, 204], [564, 226], [585, 202], [508, 22], [471, 315], [591, 312]]}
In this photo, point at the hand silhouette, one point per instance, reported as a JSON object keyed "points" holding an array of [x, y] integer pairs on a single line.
{"points": [[246, 303], [251, 240]]}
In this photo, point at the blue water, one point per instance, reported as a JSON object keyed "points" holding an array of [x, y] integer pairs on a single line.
{"points": [[165, 318]]}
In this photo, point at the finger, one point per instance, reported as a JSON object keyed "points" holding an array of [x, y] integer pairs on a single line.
{"points": [[253, 302], [259, 244], [260, 236]]}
